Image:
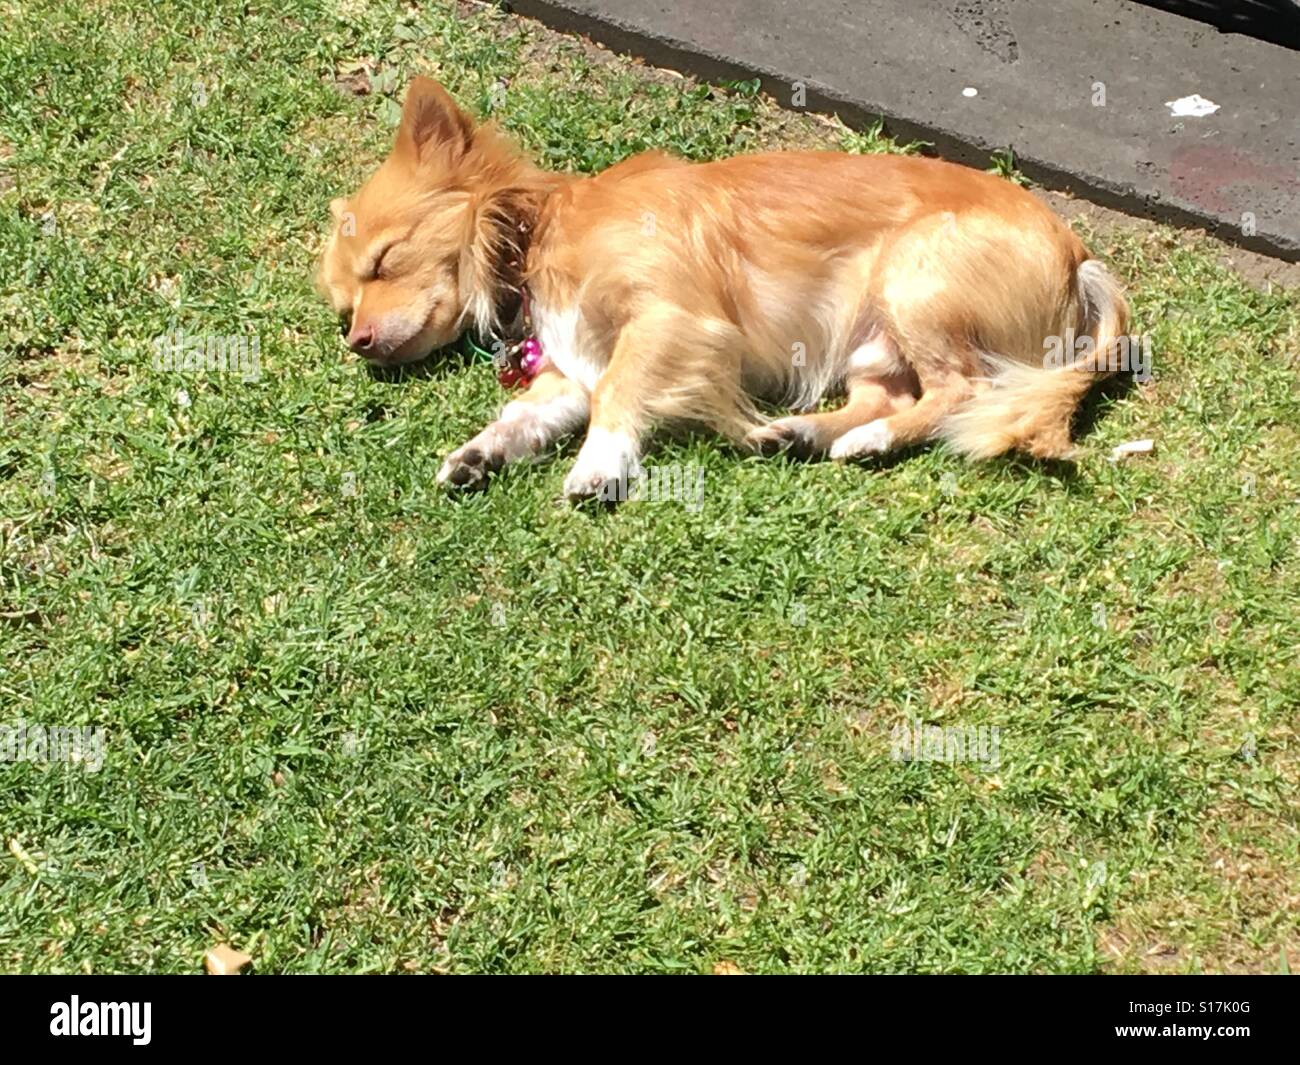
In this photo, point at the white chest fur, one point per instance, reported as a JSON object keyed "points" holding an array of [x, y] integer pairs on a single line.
{"points": [[561, 337]]}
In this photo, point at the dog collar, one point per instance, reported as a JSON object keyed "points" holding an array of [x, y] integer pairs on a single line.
{"points": [[520, 362]]}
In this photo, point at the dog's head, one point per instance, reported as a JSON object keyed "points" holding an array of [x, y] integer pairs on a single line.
{"points": [[419, 253]]}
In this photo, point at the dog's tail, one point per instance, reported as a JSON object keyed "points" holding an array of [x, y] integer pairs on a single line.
{"points": [[1028, 407]]}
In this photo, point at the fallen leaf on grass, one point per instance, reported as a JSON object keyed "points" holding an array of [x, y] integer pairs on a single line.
{"points": [[354, 78], [224, 961]]}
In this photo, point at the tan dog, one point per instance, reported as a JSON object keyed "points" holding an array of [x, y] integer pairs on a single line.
{"points": [[922, 291]]}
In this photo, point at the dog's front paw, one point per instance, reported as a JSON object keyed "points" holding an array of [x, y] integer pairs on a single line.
{"points": [[607, 469], [874, 438], [468, 467]]}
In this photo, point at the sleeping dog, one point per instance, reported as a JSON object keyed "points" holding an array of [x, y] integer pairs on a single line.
{"points": [[921, 292]]}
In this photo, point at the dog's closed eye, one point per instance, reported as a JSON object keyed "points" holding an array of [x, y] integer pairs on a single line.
{"points": [[376, 270]]}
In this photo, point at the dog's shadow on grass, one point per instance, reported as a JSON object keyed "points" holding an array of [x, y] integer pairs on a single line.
{"points": [[1098, 403]]}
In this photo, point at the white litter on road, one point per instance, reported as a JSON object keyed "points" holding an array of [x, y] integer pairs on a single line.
{"points": [[1194, 106], [968, 91]]}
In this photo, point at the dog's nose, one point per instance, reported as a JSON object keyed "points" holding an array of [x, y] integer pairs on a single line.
{"points": [[361, 338]]}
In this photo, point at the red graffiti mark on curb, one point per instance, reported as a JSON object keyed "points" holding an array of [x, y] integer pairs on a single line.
{"points": [[1203, 173]]}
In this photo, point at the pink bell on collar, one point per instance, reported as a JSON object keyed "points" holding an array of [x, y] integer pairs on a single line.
{"points": [[530, 357]]}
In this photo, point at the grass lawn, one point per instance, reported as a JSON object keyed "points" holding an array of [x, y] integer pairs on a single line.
{"points": [[353, 724]]}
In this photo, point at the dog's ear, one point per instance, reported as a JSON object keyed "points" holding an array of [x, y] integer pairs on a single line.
{"points": [[431, 122], [492, 258]]}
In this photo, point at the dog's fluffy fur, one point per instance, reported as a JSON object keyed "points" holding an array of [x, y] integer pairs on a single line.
{"points": [[922, 291]]}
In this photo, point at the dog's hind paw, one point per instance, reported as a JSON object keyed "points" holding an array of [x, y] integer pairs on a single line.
{"points": [[791, 434], [874, 438]]}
